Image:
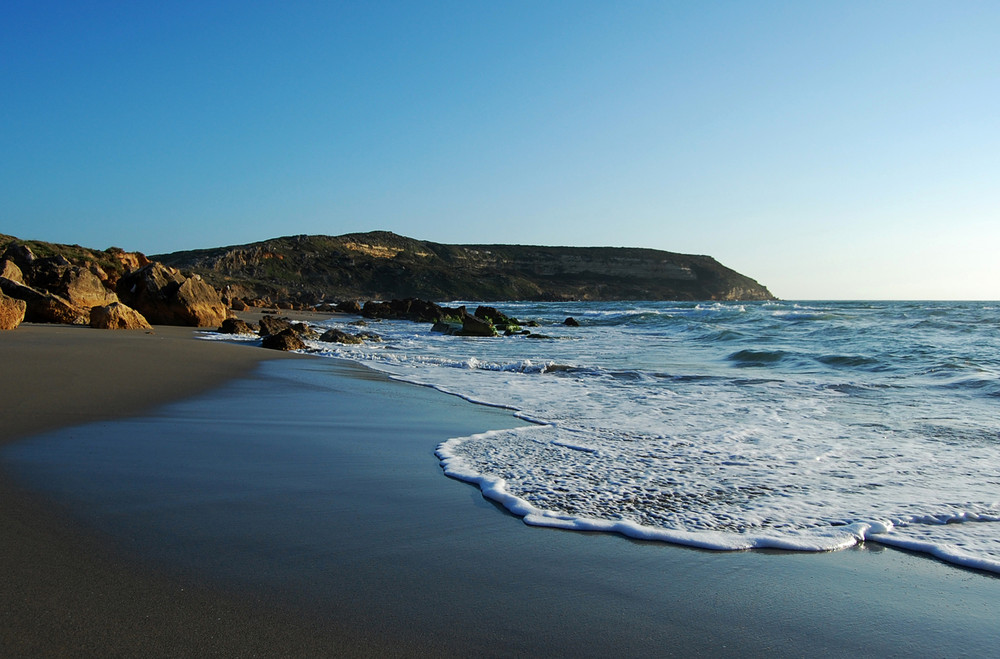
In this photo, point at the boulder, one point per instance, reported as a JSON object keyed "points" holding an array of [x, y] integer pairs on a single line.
{"points": [[339, 336], [79, 286], [284, 340], [472, 326], [117, 316], [9, 270], [571, 322], [44, 307], [271, 325], [11, 312], [21, 255], [236, 326], [166, 297], [499, 320], [349, 306]]}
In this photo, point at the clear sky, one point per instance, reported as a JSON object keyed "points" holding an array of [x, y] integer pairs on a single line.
{"points": [[827, 149]]}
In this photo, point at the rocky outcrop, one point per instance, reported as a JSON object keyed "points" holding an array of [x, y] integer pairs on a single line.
{"points": [[43, 307], [11, 312], [411, 309], [117, 316], [166, 297], [287, 339], [78, 285]]}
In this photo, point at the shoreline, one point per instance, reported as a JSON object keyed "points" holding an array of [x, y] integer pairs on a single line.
{"points": [[521, 590]]}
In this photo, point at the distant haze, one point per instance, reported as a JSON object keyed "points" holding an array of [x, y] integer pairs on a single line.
{"points": [[828, 150]]}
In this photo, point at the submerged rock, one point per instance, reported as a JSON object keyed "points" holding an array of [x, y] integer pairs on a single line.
{"points": [[339, 336]]}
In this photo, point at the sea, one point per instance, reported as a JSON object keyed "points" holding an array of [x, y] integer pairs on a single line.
{"points": [[808, 426]]}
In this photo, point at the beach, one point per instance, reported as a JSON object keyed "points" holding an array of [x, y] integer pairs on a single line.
{"points": [[313, 519]]}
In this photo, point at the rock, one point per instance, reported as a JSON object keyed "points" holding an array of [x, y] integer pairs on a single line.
{"points": [[130, 261], [472, 326], [537, 336], [44, 307], [238, 305], [272, 325], [499, 320], [304, 331], [236, 326], [79, 286], [350, 306], [411, 309], [21, 255], [571, 322], [447, 328], [117, 316], [165, 297], [370, 336], [284, 340], [339, 336], [11, 312], [9, 270]]}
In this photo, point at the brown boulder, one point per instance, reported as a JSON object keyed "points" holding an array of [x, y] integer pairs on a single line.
{"points": [[166, 297], [44, 307], [236, 326], [285, 340], [9, 270], [272, 325], [339, 336], [79, 286], [117, 316], [11, 312]]}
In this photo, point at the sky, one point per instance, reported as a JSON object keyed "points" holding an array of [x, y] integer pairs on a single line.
{"points": [[834, 150]]}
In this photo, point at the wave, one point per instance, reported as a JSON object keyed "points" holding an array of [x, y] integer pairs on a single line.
{"points": [[835, 536], [852, 361], [751, 358]]}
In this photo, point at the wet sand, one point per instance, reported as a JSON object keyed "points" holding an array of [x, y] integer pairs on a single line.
{"points": [[295, 508]]}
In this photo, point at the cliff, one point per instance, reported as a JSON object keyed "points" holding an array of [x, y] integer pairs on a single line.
{"points": [[383, 265]]}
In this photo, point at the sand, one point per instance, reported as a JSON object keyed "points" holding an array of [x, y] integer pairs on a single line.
{"points": [[345, 539]]}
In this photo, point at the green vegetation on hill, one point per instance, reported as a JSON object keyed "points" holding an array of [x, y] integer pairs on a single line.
{"points": [[383, 265]]}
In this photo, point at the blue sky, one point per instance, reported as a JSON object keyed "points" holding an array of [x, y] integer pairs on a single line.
{"points": [[839, 150]]}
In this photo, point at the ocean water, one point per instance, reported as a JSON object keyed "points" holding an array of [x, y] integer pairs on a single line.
{"points": [[806, 426]]}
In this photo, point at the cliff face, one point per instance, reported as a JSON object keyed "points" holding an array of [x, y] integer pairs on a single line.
{"points": [[383, 265]]}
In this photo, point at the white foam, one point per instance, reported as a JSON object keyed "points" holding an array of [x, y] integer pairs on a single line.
{"points": [[648, 430]]}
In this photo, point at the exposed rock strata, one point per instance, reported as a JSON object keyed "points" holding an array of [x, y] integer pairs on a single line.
{"points": [[166, 297]]}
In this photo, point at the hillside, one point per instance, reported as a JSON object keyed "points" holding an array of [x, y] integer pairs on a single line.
{"points": [[383, 265]]}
